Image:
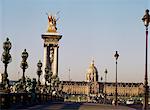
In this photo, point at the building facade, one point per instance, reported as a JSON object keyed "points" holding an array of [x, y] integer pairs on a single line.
{"points": [[125, 89], [93, 88]]}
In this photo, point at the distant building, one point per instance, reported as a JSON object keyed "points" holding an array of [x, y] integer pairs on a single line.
{"points": [[125, 89], [91, 87]]}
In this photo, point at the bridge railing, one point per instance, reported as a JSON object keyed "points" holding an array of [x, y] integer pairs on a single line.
{"points": [[8, 100]]}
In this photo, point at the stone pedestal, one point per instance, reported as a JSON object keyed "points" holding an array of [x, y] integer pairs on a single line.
{"points": [[51, 41]]}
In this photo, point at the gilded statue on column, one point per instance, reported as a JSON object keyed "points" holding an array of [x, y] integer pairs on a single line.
{"points": [[52, 23]]}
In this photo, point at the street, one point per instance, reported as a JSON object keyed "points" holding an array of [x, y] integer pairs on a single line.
{"points": [[73, 106]]}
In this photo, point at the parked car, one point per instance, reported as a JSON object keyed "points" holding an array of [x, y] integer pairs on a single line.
{"points": [[129, 102], [138, 102]]}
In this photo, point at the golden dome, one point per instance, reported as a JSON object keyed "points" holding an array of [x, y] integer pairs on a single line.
{"points": [[92, 69]]}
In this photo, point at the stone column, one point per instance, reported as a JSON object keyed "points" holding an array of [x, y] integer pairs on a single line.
{"points": [[55, 66], [46, 61]]}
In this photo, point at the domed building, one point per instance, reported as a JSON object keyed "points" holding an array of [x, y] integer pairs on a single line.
{"points": [[88, 88], [91, 88], [92, 73]]}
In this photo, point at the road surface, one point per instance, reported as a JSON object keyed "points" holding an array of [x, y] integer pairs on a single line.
{"points": [[72, 106]]}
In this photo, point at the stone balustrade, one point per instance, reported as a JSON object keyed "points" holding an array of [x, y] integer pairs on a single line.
{"points": [[14, 100]]}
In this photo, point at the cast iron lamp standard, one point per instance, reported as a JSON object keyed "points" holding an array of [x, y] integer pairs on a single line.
{"points": [[146, 20], [105, 84], [116, 94], [24, 65], [6, 58], [39, 71]]}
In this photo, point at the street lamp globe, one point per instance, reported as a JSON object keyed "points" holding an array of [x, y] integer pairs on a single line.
{"points": [[116, 55], [24, 55], [7, 45], [39, 64], [146, 18], [6, 57]]}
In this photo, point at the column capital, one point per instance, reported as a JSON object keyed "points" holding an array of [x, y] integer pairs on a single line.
{"points": [[51, 45], [45, 45], [56, 45]]}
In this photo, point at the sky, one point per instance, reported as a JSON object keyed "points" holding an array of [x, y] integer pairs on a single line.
{"points": [[90, 29]]}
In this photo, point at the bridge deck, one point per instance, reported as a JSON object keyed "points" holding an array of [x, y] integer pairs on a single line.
{"points": [[72, 106]]}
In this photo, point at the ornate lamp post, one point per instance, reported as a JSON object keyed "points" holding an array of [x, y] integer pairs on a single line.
{"points": [[116, 94], [39, 71], [105, 83], [146, 20], [6, 58], [24, 64]]}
